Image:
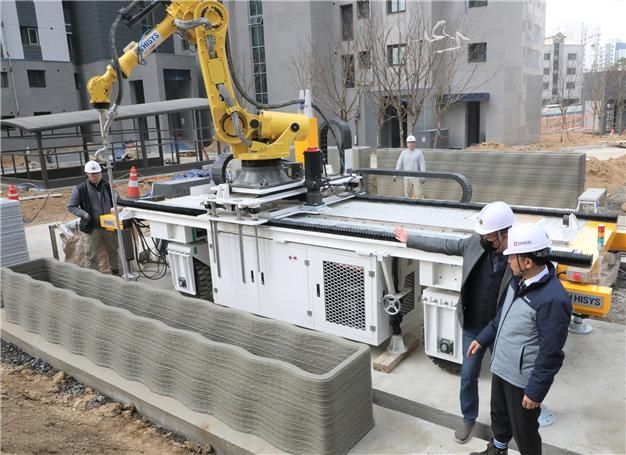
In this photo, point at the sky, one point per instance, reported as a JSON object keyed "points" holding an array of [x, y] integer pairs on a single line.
{"points": [[609, 15]]}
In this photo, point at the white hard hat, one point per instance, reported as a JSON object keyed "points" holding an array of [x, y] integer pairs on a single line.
{"points": [[410, 138], [92, 167], [494, 217], [527, 238]]}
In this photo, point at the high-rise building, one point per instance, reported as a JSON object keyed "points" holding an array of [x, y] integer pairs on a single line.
{"points": [[562, 71]]}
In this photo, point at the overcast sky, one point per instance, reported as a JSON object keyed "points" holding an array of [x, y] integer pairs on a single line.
{"points": [[609, 15]]}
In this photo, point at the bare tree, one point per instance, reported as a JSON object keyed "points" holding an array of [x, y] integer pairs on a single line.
{"points": [[452, 77], [567, 84], [331, 74], [597, 89], [401, 63]]}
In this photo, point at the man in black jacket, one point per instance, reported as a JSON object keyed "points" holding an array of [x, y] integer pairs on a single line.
{"points": [[528, 335], [485, 277], [88, 201]]}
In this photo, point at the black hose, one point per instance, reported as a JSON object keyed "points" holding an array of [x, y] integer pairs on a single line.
{"points": [[112, 38], [258, 105]]}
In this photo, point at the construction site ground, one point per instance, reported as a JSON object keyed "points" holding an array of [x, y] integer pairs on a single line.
{"points": [[418, 400], [44, 411]]}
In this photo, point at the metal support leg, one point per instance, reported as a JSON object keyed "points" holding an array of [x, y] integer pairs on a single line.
{"points": [[53, 241], [241, 255]]}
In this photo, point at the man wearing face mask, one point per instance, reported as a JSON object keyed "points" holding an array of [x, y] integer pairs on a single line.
{"points": [[485, 278], [528, 335]]}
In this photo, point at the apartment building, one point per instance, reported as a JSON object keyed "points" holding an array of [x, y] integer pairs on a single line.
{"points": [[38, 76], [562, 71], [270, 39], [50, 49]]}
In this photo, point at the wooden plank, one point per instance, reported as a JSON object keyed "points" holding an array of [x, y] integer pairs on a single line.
{"points": [[386, 362], [40, 196]]}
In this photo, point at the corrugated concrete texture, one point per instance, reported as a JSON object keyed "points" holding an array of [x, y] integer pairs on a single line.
{"points": [[302, 391], [544, 179], [13, 248]]}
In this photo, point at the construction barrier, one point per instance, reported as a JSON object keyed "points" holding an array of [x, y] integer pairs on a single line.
{"points": [[300, 390]]}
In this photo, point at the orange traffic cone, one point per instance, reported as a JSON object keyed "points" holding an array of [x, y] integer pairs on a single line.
{"points": [[13, 196], [133, 184]]}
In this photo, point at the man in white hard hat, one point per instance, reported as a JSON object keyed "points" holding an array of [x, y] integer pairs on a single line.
{"points": [[485, 278], [412, 159], [88, 201], [528, 335]]}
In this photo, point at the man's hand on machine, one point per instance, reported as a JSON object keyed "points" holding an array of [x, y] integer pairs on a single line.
{"points": [[474, 347], [400, 234]]}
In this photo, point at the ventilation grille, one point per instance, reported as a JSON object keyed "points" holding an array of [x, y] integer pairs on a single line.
{"points": [[344, 294], [408, 301]]}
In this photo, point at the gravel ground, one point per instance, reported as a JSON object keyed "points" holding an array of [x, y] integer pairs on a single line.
{"points": [[46, 411]]}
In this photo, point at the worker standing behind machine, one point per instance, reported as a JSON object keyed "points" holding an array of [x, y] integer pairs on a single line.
{"points": [[88, 201], [485, 279], [412, 159]]}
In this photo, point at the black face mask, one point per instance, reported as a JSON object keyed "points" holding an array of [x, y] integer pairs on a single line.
{"points": [[487, 245]]}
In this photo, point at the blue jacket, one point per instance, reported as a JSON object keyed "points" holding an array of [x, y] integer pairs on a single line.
{"points": [[529, 332]]}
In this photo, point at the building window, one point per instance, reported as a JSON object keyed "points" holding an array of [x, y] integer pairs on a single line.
{"points": [[477, 52], [36, 78], [257, 37], [347, 28], [396, 6], [5, 79], [363, 9], [348, 70], [555, 66], [546, 56], [546, 71], [365, 60], [30, 36], [570, 85], [555, 92], [546, 85], [477, 3], [571, 56], [571, 70], [555, 79], [395, 54]]}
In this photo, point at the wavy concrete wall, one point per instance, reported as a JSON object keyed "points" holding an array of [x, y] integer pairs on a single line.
{"points": [[302, 391]]}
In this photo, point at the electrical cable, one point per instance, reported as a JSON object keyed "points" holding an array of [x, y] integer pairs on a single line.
{"points": [[38, 211], [158, 250]]}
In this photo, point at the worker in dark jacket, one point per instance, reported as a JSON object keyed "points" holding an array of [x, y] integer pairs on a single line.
{"points": [[88, 201], [485, 278], [528, 335]]}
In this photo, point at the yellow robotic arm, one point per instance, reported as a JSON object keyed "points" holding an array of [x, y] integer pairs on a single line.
{"points": [[266, 136]]}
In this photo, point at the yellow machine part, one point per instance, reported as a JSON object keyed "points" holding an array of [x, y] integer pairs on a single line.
{"points": [[310, 141], [265, 136], [589, 299], [108, 222]]}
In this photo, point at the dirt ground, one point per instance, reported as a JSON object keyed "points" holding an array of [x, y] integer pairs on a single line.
{"points": [[54, 209], [43, 411], [552, 142]]}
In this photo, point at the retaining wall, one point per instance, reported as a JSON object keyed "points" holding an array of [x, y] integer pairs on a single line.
{"points": [[302, 391], [542, 179]]}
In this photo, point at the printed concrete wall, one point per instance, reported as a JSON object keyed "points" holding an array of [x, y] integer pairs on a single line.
{"points": [[302, 391]]}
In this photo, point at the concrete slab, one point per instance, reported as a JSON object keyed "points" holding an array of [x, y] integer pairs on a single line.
{"points": [[588, 397], [39, 243]]}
